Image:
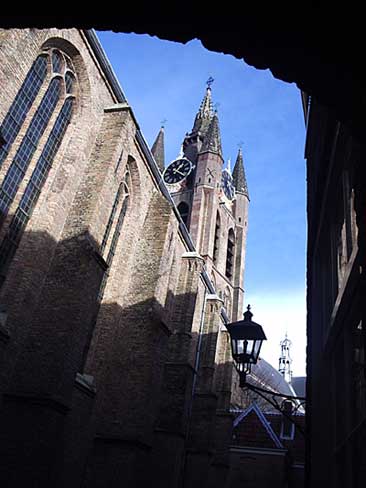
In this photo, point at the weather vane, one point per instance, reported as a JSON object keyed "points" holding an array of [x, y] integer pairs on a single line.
{"points": [[162, 123], [240, 144], [209, 82]]}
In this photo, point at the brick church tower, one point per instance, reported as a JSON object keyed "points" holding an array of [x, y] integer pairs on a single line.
{"points": [[214, 206]]}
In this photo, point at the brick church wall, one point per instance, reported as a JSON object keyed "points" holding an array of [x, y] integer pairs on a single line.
{"points": [[98, 375]]}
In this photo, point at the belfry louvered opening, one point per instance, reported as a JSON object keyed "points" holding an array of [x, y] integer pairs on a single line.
{"points": [[230, 254], [183, 209]]}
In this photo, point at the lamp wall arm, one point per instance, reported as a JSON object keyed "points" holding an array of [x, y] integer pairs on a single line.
{"points": [[273, 393], [275, 404]]}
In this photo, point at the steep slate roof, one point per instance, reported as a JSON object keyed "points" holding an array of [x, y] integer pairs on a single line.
{"points": [[251, 429], [212, 140], [298, 383], [158, 150], [240, 181]]}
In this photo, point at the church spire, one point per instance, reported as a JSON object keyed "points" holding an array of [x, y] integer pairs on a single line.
{"points": [[240, 181], [212, 140], [204, 113], [158, 149]]}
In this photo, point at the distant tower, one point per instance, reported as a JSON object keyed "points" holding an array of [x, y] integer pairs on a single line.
{"points": [[285, 360]]}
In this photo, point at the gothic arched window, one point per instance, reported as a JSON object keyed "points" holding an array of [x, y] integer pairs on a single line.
{"points": [[114, 226], [230, 254], [216, 239], [23, 101], [183, 209], [52, 72]]}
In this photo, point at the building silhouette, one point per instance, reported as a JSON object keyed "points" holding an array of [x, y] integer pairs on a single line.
{"points": [[336, 328]]}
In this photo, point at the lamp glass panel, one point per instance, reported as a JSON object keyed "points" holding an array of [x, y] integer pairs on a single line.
{"points": [[257, 347], [234, 347], [240, 346], [249, 348]]}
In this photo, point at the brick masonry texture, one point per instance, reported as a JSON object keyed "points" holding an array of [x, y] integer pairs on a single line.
{"points": [[116, 366]]}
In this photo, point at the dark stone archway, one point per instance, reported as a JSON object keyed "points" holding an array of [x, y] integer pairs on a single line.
{"points": [[319, 50]]}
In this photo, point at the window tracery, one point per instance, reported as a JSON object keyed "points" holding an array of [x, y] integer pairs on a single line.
{"points": [[59, 97]]}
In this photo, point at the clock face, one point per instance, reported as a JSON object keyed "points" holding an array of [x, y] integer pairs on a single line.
{"points": [[177, 171], [227, 185]]}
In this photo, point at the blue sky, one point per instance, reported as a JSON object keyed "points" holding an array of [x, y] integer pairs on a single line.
{"points": [[167, 80]]}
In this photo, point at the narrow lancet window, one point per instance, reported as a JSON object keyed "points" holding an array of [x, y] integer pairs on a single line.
{"points": [[216, 239]]}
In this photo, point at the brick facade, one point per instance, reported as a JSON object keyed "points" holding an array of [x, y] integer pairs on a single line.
{"points": [[115, 362]]}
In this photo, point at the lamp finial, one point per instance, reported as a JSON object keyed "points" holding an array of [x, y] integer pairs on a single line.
{"points": [[248, 314]]}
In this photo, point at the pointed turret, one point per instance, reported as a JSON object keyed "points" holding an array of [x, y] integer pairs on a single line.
{"points": [[239, 178], [204, 114], [158, 149], [212, 141], [228, 167]]}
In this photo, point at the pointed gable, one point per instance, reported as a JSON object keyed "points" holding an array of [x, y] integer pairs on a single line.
{"points": [[239, 178], [212, 140], [158, 150], [251, 429]]}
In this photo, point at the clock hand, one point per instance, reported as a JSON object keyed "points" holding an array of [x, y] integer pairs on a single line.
{"points": [[177, 171]]}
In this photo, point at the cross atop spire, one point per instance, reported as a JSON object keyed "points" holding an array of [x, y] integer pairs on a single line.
{"points": [[209, 82]]}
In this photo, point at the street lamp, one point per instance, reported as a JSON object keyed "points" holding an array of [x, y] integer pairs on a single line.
{"points": [[246, 342]]}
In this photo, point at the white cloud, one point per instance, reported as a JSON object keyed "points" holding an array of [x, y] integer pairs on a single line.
{"points": [[278, 313]]}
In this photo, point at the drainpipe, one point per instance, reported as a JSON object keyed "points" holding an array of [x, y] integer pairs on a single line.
{"points": [[195, 373]]}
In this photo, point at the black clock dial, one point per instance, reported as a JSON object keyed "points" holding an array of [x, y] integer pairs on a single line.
{"points": [[228, 185], [177, 171]]}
